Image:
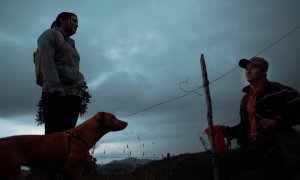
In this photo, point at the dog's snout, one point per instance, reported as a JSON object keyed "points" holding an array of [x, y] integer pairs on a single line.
{"points": [[121, 125], [124, 124]]}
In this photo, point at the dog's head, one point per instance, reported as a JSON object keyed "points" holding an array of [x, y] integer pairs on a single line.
{"points": [[109, 122]]}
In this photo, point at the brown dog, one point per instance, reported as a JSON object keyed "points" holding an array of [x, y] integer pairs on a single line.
{"points": [[64, 151]]}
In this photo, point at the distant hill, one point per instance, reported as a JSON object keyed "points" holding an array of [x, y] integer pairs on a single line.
{"points": [[192, 166], [122, 166]]}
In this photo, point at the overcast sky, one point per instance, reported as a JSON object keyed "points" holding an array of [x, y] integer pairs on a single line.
{"points": [[134, 54]]}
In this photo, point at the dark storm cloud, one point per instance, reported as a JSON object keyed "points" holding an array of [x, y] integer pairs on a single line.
{"points": [[134, 54]]}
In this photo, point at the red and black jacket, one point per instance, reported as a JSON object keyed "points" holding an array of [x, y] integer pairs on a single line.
{"points": [[274, 101]]}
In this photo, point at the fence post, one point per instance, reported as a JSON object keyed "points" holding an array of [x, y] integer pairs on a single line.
{"points": [[209, 118]]}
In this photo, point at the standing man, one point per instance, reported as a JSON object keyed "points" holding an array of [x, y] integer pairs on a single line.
{"points": [[62, 82], [267, 109]]}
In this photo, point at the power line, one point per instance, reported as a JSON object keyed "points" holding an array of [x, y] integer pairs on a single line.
{"points": [[218, 78], [280, 39], [158, 104]]}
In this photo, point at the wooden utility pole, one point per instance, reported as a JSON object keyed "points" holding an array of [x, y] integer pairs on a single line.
{"points": [[209, 118]]}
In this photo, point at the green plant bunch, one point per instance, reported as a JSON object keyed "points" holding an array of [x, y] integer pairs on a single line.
{"points": [[85, 95]]}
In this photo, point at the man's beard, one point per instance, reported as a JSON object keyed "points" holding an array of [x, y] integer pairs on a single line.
{"points": [[256, 80]]}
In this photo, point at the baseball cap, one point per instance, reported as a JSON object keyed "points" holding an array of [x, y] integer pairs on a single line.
{"points": [[259, 61]]}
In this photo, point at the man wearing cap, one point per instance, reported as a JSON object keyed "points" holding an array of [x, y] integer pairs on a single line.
{"points": [[266, 110]]}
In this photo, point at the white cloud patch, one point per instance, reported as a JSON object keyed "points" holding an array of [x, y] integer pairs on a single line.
{"points": [[8, 38], [95, 83], [136, 43], [19, 126]]}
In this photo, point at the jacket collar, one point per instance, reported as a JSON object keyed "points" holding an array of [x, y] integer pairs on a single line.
{"points": [[246, 89]]}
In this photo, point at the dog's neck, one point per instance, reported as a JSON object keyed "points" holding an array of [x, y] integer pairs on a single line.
{"points": [[71, 135], [89, 134]]}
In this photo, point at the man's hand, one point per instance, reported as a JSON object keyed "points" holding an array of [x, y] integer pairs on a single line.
{"points": [[226, 131], [267, 123]]}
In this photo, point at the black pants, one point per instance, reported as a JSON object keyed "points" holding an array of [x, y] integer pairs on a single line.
{"points": [[251, 162], [60, 112]]}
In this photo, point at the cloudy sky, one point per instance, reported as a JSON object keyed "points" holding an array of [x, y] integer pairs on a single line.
{"points": [[143, 56]]}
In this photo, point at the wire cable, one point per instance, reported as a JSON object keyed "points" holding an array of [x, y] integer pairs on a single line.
{"points": [[280, 39], [158, 104], [218, 78]]}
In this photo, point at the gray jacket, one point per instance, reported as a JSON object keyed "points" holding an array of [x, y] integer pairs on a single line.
{"points": [[59, 63]]}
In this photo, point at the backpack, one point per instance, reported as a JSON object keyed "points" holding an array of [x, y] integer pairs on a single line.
{"points": [[36, 58]]}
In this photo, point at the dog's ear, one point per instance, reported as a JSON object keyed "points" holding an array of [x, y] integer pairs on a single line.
{"points": [[101, 118], [99, 114]]}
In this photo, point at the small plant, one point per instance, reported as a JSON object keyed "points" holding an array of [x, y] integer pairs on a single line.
{"points": [[89, 168], [127, 152], [85, 97]]}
